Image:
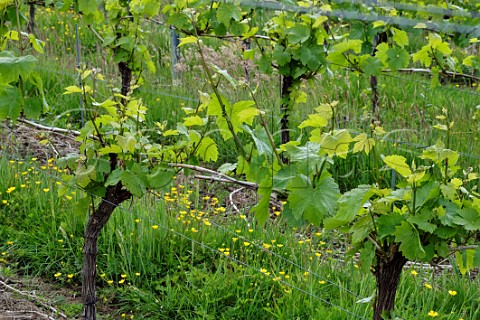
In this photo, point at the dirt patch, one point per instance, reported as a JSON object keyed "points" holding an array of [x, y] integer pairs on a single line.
{"points": [[31, 298], [25, 141]]}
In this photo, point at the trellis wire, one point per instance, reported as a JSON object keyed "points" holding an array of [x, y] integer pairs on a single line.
{"points": [[369, 17]]}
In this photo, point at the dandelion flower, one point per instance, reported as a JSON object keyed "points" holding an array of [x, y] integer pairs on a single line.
{"points": [[70, 276], [121, 281], [110, 281], [4, 202], [194, 230], [58, 274], [123, 276], [452, 292], [246, 243], [322, 282], [46, 190], [155, 227], [428, 286], [11, 189], [413, 273]]}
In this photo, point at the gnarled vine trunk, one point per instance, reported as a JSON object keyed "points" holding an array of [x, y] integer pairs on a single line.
{"points": [[113, 197], [387, 274]]}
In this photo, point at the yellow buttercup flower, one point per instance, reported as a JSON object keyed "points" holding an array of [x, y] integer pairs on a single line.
{"points": [[432, 313]]}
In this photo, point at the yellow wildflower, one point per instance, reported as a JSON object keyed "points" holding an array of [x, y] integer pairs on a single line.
{"points": [[432, 313]]}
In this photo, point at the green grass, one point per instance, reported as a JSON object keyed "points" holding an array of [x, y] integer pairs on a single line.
{"points": [[161, 259], [182, 266]]}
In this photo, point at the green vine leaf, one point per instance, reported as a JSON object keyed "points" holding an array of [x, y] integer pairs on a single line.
{"points": [[334, 143], [397, 58], [313, 203], [387, 223], [398, 163], [363, 143], [242, 112], [409, 240], [11, 67], [187, 40], [314, 120], [133, 183], [262, 208], [298, 34], [469, 218], [400, 37], [193, 121], [10, 102], [349, 205], [127, 142], [227, 12], [206, 147]]}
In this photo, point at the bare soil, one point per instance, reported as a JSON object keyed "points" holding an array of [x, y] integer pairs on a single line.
{"points": [[31, 298]]}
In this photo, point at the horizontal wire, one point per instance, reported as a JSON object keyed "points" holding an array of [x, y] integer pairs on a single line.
{"points": [[417, 8], [367, 17], [146, 218]]}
